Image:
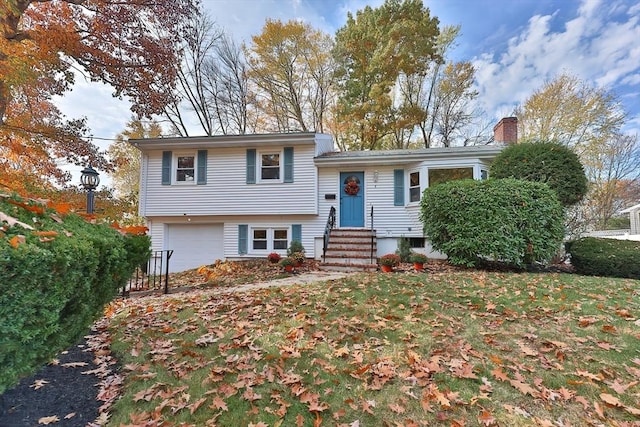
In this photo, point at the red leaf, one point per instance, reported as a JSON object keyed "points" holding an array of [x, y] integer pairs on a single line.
{"points": [[486, 419]]}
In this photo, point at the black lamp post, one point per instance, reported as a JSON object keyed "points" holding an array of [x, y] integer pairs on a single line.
{"points": [[90, 181]]}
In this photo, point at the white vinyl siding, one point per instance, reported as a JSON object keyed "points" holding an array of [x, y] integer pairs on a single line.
{"points": [[226, 191]]}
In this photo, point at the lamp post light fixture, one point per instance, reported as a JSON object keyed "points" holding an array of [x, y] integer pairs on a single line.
{"points": [[89, 180]]}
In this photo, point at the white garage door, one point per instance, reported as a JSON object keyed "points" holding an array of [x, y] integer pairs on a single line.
{"points": [[194, 245]]}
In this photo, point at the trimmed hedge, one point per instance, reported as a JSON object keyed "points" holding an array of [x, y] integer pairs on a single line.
{"points": [[53, 286], [593, 256], [508, 220], [556, 165]]}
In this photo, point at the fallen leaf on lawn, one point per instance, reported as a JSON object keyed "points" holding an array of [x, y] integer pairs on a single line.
{"points": [[195, 405], [621, 388], [251, 395], [48, 420], [599, 410], [610, 399], [528, 351], [69, 416], [582, 401], [632, 410], [499, 374], [343, 351], [524, 387], [45, 233], [589, 375], [38, 384], [16, 241], [486, 419], [219, 403], [339, 414], [396, 408], [367, 405]]}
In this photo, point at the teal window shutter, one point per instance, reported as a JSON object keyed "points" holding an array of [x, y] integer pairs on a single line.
{"points": [[243, 238], [166, 167], [398, 187], [288, 164], [296, 232], [202, 167], [251, 166]]}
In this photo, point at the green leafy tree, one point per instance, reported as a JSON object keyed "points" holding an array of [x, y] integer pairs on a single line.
{"points": [[373, 51], [548, 162]]}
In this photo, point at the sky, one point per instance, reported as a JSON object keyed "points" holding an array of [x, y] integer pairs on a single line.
{"points": [[515, 45]]}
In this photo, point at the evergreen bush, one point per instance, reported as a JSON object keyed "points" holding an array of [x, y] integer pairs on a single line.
{"points": [[556, 165], [508, 220], [404, 249], [605, 257], [295, 246], [54, 281]]}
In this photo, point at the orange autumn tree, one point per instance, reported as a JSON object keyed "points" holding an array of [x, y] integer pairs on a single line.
{"points": [[126, 44]]}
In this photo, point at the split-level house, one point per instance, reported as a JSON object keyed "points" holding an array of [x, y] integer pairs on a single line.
{"points": [[245, 196]]}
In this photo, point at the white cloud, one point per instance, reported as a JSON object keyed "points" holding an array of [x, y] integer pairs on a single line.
{"points": [[593, 46]]}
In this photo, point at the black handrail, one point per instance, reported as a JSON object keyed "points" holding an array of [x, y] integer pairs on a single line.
{"points": [[372, 234], [331, 222], [152, 275]]}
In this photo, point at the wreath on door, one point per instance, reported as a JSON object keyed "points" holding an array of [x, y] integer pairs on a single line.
{"points": [[352, 188]]}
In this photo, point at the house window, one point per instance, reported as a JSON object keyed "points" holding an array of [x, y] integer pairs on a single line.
{"points": [[270, 239], [259, 240], [280, 239], [414, 187], [185, 171], [438, 176], [270, 166], [416, 242]]}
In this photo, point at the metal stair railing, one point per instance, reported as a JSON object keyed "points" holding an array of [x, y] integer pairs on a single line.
{"points": [[331, 223]]}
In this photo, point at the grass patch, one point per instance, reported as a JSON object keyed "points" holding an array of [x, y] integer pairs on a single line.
{"points": [[394, 349]]}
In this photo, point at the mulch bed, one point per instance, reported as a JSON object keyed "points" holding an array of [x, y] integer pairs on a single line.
{"points": [[68, 394]]}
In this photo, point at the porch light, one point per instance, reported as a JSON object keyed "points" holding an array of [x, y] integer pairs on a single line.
{"points": [[90, 180]]}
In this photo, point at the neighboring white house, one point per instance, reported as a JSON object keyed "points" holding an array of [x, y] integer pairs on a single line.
{"points": [[634, 216], [244, 196]]}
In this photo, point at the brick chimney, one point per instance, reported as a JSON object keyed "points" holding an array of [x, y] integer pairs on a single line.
{"points": [[506, 131]]}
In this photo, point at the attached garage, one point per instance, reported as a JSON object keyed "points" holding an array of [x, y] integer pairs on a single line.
{"points": [[194, 245]]}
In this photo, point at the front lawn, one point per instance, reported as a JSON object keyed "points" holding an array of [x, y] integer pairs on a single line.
{"points": [[455, 348]]}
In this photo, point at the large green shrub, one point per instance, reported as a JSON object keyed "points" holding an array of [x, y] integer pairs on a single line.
{"points": [[552, 163], [507, 220], [605, 257], [53, 286]]}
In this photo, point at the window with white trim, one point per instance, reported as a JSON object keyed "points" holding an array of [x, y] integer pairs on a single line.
{"points": [[414, 186], [185, 168], [269, 239], [270, 166], [438, 176]]}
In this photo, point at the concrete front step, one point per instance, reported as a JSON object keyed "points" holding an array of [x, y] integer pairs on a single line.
{"points": [[358, 252], [337, 266], [348, 260]]}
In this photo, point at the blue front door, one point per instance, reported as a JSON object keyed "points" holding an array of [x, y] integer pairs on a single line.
{"points": [[351, 199]]}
